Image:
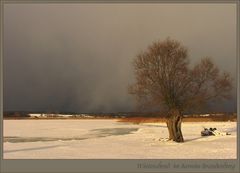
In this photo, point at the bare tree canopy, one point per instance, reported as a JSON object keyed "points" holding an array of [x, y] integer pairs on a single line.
{"points": [[165, 78]]}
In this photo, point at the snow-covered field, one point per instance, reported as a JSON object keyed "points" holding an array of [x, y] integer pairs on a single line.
{"points": [[101, 139]]}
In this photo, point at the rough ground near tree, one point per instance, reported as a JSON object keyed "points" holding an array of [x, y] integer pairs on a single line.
{"points": [[109, 139]]}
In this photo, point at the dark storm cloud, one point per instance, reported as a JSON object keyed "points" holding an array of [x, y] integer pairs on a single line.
{"points": [[78, 57]]}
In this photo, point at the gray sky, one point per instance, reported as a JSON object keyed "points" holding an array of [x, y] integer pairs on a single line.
{"points": [[60, 57]]}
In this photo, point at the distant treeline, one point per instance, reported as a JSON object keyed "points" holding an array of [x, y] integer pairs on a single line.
{"points": [[16, 114], [119, 114], [25, 114]]}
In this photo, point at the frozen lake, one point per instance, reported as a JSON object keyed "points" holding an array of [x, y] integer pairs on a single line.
{"points": [[101, 139]]}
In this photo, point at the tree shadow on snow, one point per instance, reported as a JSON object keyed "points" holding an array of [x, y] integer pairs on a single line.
{"points": [[197, 138]]}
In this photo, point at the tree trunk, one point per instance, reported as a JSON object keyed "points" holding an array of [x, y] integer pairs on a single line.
{"points": [[174, 122]]}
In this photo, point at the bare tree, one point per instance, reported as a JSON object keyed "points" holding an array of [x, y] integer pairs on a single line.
{"points": [[164, 77]]}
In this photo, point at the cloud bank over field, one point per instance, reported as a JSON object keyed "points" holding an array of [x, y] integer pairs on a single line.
{"points": [[61, 57]]}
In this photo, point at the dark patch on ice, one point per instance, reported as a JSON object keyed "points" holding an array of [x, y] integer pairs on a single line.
{"points": [[29, 149], [113, 131], [36, 139], [95, 133], [142, 124], [154, 125]]}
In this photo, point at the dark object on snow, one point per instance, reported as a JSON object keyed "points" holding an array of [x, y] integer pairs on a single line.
{"points": [[213, 132], [207, 132]]}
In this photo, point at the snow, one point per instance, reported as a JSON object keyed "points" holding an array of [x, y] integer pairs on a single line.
{"points": [[37, 115], [201, 115], [61, 115], [109, 139], [205, 115]]}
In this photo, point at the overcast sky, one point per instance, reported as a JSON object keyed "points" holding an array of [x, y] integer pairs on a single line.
{"points": [[77, 57]]}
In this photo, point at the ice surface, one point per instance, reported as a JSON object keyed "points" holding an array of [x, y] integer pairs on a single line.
{"points": [[101, 139]]}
